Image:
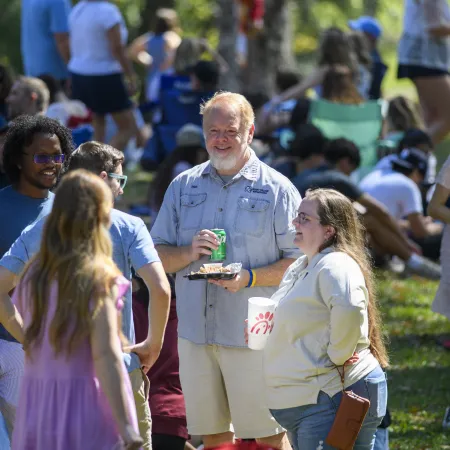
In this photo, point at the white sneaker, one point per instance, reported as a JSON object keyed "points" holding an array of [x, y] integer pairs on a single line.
{"points": [[426, 269]]}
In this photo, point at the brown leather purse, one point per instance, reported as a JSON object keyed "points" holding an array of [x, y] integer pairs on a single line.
{"points": [[349, 418]]}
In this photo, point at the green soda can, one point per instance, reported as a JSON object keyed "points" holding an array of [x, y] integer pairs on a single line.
{"points": [[221, 253]]}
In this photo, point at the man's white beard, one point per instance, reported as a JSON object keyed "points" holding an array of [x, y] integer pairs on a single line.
{"points": [[227, 163]]}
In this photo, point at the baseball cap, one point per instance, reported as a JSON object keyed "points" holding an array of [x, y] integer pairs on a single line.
{"points": [[410, 159], [414, 137], [368, 25], [190, 135]]}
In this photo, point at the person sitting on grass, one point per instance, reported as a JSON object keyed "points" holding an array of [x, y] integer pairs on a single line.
{"points": [[332, 169]]}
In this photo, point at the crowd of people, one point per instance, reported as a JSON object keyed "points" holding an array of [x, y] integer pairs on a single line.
{"points": [[105, 343]]}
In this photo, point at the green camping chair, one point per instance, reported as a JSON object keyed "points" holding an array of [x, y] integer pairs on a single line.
{"points": [[358, 123]]}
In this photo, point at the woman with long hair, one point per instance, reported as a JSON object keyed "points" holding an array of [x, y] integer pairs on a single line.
{"points": [[326, 326], [75, 392], [336, 49], [339, 87]]}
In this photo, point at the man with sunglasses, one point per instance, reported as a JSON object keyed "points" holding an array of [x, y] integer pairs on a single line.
{"points": [[132, 247], [34, 150]]}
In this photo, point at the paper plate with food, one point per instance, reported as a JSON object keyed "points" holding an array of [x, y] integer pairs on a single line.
{"points": [[216, 271]]}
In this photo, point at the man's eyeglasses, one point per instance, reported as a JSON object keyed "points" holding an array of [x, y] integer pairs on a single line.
{"points": [[43, 158], [122, 179]]}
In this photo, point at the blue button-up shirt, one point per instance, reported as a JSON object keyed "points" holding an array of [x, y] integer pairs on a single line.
{"points": [[256, 209]]}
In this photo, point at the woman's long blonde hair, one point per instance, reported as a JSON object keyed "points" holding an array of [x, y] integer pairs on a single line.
{"points": [[76, 252], [334, 209]]}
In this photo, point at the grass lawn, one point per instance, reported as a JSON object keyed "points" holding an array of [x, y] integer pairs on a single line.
{"points": [[419, 378], [419, 373]]}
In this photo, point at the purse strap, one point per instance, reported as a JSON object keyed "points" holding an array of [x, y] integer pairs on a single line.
{"points": [[341, 376]]}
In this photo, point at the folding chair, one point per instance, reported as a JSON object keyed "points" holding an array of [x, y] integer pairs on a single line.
{"points": [[358, 123]]}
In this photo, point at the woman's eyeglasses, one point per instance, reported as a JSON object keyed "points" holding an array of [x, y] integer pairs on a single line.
{"points": [[303, 218], [43, 158], [121, 178]]}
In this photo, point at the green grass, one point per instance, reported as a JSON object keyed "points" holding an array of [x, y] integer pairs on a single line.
{"points": [[418, 378]]}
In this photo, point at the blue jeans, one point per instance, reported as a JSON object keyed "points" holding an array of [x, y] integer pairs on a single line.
{"points": [[308, 425], [382, 439]]}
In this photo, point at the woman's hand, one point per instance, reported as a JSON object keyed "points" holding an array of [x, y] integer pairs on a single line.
{"points": [[131, 439], [352, 360]]}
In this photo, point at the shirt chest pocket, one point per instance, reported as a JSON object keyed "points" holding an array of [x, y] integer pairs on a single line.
{"points": [[192, 209], [251, 216]]}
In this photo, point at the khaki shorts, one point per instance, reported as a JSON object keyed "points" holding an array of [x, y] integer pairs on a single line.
{"points": [[224, 391], [141, 387]]}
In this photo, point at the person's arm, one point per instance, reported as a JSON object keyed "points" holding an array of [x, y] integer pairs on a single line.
{"points": [[437, 207], [59, 25], [433, 19], [379, 211], [158, 286], [266, 276], [342, 288], [137, 50], [119, 53], [10, 317], [297, 91], [63, 45], [108, 361], [417, 226]]}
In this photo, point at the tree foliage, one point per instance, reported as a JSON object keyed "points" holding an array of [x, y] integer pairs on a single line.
{"points": [[200, 18]]}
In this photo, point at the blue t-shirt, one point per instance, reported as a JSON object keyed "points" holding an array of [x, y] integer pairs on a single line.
{"points": [[40, 20], [132, 247], [20, 211]]}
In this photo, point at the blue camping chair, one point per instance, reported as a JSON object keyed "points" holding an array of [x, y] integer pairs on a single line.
{"points": [[180, 108], [358, 123], [161, 144], [82, 134], [177, 82]]}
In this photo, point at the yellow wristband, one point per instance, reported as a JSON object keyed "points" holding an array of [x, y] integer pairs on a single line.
{"points": [[254, 278]]}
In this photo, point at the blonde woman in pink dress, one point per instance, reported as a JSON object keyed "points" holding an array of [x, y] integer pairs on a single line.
{"points": [[439, 209], [75, 392]]}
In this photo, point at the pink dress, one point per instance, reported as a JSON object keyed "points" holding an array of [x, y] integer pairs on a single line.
{"points": [[61, 404]]}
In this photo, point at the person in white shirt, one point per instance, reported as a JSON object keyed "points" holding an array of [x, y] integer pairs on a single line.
{"points": [[102, 75], [398, 189], [326, 324]]}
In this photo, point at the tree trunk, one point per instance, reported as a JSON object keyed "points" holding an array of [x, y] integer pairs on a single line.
{"points": [[228, 22], [270, 50], [371, 7]]}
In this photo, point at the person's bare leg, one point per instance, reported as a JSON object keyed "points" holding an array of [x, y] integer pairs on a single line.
{"points": [[434, 96], [99, 125], [189, 446], [126, 129], [279, 441], [214, 440], [384, 239]]}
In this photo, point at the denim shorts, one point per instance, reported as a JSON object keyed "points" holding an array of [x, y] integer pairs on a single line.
{"points": [[309, 425]]}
